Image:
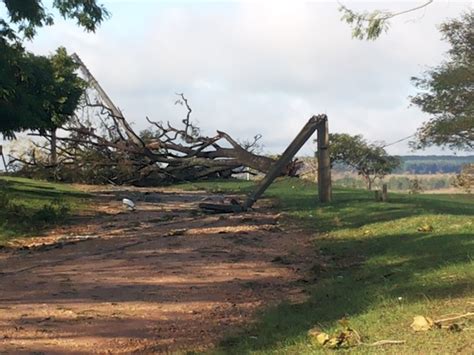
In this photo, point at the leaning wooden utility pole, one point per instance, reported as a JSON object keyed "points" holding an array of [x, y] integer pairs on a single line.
{"points": [[324, 162], [319, 123], [306, 132]]}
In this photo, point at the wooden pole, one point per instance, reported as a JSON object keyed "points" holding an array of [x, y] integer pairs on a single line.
{"points": [[384, 193], [324, 163], [318, 123], [275, 171]]}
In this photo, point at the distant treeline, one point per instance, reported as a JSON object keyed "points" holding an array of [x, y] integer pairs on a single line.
{"points": [[432, 164], [398, 182], [414, 164]]}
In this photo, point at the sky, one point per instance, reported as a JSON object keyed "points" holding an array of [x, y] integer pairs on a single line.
{"points": [[261, 67]]}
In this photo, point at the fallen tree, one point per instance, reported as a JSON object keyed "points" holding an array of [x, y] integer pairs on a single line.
{"points": [[100, 146]]}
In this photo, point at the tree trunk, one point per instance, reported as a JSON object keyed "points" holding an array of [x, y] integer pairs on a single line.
{"points": [[54, 155], [369, 182]]}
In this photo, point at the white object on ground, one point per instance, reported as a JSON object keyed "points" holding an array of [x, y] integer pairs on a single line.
{"points": [[129, 204], [77, 237]]}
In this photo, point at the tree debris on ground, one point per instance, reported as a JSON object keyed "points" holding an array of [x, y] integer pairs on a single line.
{"points": [[99, 145], [348, 337], [423, 324]]}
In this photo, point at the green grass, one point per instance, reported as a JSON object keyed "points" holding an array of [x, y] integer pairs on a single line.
{"points": [[30, 205], [380, 271]]}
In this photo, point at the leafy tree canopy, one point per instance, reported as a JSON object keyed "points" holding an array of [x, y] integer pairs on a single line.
{"points": [[41, 92], [38, 92], [25, 16], [448, 90], [369, 160]]}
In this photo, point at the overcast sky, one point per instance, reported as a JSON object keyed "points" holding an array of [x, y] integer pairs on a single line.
{"points": [[265, 67]]}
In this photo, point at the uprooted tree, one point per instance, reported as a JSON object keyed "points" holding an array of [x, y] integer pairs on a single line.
{"points": [[100, 146]]}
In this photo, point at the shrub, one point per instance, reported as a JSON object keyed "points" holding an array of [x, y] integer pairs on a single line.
{"points": [[415, 186], [465, 179], [53, 212], [4, 201]]}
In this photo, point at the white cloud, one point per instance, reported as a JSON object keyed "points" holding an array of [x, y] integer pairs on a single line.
{"points": [[262, 67]]}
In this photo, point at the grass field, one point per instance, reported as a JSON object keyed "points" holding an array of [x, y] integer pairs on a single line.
{"points": [[381, 271], [28, 205]]}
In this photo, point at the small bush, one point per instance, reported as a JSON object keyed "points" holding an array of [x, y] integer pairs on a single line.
{"points": [[8, 208], [53, 212], [5, 201], [415, 186], [465, 179]]}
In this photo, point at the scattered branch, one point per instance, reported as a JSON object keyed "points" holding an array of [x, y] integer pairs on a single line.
{"points": [[450, 319], [385, 342], [370, 25]]}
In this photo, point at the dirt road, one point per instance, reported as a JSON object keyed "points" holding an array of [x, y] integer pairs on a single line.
{"points": [[163, 278]]}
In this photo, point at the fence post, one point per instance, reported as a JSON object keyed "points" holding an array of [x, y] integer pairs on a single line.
{"points": [[384, 193], [324, 163]]}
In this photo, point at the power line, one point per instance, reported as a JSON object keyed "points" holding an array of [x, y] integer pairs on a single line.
{"points": [[397, 141]]}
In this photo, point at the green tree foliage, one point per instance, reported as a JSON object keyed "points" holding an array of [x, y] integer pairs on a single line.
{"points": [[38, 92], [369, 160], [465, 179], [25, 16], [365, 25], [369, 25], [66, 88], [448, 90], [433, 164]]}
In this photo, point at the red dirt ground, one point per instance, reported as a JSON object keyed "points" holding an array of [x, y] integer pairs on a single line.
{"points": [[163, 278]]}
